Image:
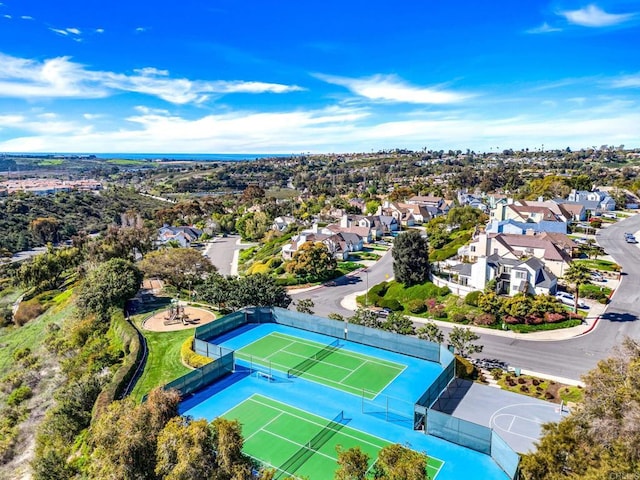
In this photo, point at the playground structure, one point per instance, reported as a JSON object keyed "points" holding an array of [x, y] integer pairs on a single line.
{"points": [[177, 314]]}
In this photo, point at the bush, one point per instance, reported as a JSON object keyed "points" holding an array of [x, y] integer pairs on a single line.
{"points": [[438, 311], [190, 357], [275, 262], [554, 317], [380, 289], [28, 310], [444, 291], [458, 317], [6, 316], [485, 319], [21, 353], [391, 303], [465, 369], [19, 395], [416, 306], [472, 298]]}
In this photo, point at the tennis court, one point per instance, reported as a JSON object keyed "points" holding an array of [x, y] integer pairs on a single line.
{"points": [[329, 365], [297, 443]]}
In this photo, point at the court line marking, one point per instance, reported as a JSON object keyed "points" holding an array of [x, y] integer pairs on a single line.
{"points": [[315, 422], [513, 419], [530, 404], [321, 380], [265, 425], [312, 421], [347, 353]]}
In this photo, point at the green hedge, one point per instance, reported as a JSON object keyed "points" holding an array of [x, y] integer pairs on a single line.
{"points": [[127, 335], [190, 357]]}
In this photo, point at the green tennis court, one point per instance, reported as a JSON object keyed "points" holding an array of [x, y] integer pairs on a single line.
{"points": [[326, 364], [297, 443]]}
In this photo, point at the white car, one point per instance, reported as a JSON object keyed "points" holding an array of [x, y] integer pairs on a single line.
{"points": [[568, 299]]}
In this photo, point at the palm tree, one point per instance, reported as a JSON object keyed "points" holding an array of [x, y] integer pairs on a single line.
{"points": [[577, 274]]}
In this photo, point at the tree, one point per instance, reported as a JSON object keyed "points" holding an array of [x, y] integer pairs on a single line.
{"points": [[125, 437], [410, 258], [397, 462], [218, 290], [305, 305], [109, 285], [185, 450], [490, 302], [260, 290], [253, 226], [430, 331], [462, 340], [601, 439], [353, 464], [181, 267], [367, 318], [228, 442], [312, 260], [577, 274], [44, 230], [398, 323]]}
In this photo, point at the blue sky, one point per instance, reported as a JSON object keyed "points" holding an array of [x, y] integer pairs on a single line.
{"points": [[224, 76]]}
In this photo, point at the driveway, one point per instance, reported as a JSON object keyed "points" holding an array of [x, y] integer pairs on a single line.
{"points": [[223, 253]]}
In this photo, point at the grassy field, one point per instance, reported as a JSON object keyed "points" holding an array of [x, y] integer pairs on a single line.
{"points": [[596, 264], [164, 363], [30, 335]]}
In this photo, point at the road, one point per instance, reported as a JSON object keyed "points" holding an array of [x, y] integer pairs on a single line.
{"points": [[562, 358]]}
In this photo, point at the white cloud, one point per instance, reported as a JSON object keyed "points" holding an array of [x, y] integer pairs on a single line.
{"points": [[544, 28], [60, 77], [59, 31], [392, 89], [7, 16], [74, 31], [99, 30], [332, 129], [26, 17], [627, 81], [141, 29], [593, 16]]}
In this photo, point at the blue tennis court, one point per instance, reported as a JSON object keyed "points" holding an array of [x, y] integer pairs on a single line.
{"points": [[387, 415]]}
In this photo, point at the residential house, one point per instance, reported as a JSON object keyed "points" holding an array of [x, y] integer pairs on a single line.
{"points": [[435, 205], [594, 201], [512, 276], [280, 224], [339, 244], [184, 236], [475, 201], [554, 249]]}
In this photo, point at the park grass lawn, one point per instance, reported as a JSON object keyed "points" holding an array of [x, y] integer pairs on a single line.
{"points": [[571, 394], [164, 363], [30, 335], [282, 193], [596, 264]]}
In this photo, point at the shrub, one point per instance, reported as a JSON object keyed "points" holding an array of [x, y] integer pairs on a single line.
{"points": [[554, 317], [496, 373], [21, 353], [458, 317], [472, 298], [533, 320], [524, 388], [444, 291], [19, 395], [275, 262], [485, 319], [380, 289], [391, 303], [438, 311], [6, 316], [416, 306], [510, 320], [464, 368], [549, 396], [28, 310], [535, 382], [190, 357], [521, 381]]}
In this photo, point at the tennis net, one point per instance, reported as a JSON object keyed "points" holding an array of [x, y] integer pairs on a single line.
{"points": [[316, 358], [307, 450]]}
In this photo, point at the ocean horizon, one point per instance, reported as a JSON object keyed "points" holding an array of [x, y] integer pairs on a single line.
{"points": [[202, 157]]}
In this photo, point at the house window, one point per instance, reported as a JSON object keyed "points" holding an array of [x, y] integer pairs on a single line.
{"points": [[473, 248], [521, 275]]}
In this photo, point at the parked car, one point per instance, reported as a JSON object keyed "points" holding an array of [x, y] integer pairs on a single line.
{"points": [[631, 239], [569, 299], [597, 277]]}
